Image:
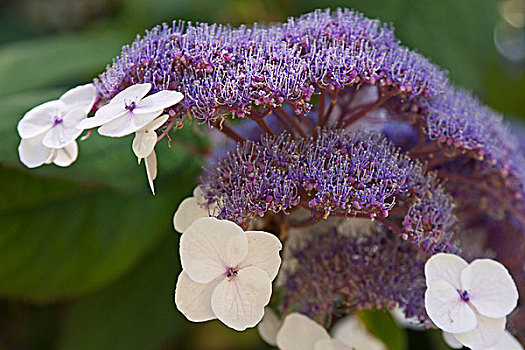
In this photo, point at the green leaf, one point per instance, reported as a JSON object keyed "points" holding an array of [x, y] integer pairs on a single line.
{"points": [[381, 324], [57, 60], [135, 312]]}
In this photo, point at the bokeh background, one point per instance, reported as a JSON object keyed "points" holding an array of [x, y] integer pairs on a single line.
{"points": [[88, 257]]}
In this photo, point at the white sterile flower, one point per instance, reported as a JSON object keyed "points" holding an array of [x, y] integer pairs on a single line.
{"points": [[53, 126], [351, 331], [506, 342], [469, 301], [269, 326], [226, 273], [143, 147], [299, 332], [130, 110], [398, 314], [191, 209]]}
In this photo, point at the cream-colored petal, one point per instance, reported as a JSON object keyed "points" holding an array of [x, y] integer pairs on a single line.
{"points": [[194, 299], [444, 266], [334, 344], [269, 326], [66, 155], [209, 247], [490, 287], [351, 331], [144, 143], [263, 252], [452, 341], [298, 332], [151, 169], [82, 97], [507, 342], [33, 153], [447, 310], [127, 123], [239, 302], [156, 123], [159, 101], [39, 119], [187, 213], [486, 334]]}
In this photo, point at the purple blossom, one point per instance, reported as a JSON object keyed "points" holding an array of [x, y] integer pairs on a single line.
{"points": [[335, 273]]}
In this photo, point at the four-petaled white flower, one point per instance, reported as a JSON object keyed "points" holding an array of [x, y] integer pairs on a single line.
{"points": [[506, 342], [144, 147], [299, 332], [227, 273], [129, 111], [49, 130], [191, 209], [469, 301]]}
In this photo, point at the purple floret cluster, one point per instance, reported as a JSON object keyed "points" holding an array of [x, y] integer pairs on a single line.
{"points": [[334, 274]]}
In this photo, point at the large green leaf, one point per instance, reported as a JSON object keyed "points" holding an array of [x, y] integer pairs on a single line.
{"points": [[381, 324], [58, 59], [135, 312]]}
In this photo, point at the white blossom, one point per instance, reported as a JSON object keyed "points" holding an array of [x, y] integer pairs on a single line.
{"points": [[129, 111], [191, 209], [49, 130], [144, 147], [469, 301], [298, 332], [401, 320], [226, 273], [506, 342]]}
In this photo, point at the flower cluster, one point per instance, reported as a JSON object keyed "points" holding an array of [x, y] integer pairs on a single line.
{"points": [[337, 272], [338, 173], [49, 130]]}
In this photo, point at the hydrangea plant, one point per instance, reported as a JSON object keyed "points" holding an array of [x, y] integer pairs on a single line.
{"points": [[335, 143]]}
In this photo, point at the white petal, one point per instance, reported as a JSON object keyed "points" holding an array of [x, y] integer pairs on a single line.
{"points": [[127, 123], [451, 341], [194, 299], [188, 211], [507, 342], [333, 344], [491, 288], [151, 169], [351, 331], [401, 320], [32, 152], [447, 267], [239, 302], [133, 93], [65, 156], [39, 119], [144, 143], [66, 132], [198, 193], [159, 101], [210, 246], [263, 252], [269, 326], [298, 332], [104, 115], [486, 334], [82, 97], [157, 123], [447, 310]]}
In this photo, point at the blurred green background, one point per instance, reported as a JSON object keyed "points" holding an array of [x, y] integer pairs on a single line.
{"points": [[88, 258]]}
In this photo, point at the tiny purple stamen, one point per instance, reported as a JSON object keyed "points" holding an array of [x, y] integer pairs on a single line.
{"points": [[131, 106], [463, 294], [57, 121], [231, 272]]}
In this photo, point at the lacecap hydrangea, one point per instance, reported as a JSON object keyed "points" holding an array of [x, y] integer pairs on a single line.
{"points": [[322, 122]]}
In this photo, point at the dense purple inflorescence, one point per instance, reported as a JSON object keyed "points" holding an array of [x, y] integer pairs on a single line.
{"points": [[220, 69], [339, 173], [335, 273]]}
